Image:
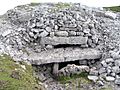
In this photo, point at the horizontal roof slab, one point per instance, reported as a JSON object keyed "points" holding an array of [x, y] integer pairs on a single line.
{"points": [[63, 55], [64, 40]]}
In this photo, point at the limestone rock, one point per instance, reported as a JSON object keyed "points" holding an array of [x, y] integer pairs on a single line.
{"points": [[62, 33], [64, 40]]}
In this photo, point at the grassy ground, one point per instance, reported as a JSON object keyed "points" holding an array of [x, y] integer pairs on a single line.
{"points": [[114, 8], [15, 76]]}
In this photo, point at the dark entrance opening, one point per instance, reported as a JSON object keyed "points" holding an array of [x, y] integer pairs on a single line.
{"points": [[64, 64], [66, 45]]}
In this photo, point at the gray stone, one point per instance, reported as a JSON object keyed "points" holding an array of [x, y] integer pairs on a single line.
{"points": [[55, 68], [35, 30], [52, 34], [43, 34], [49, 47], [71, 69], [117, 81], [86, 31], [117, 62], [95, 39], [114, 55], [102, 70], [56, 27], [63, 55], [31, 34], [110, 78], [93, 78], [100, 83], [72, 33], [48, 29], [79, 33], [93, 31], [6, 32], [64, 40], [61, 33], [104, 64], [109, 60], [83, 62], [116, 69], [93, 72]]}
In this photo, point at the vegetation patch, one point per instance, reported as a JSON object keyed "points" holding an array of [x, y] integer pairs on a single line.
{"points": [[66, 79], [15, 76], [114, 8]]}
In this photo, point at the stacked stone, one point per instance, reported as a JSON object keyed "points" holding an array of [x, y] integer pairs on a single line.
{"points": [[43, 26], [69, 22]]}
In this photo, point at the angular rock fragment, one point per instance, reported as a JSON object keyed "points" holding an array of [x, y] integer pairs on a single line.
{"points": [[61, 33], [64, 55], [64, 40]]}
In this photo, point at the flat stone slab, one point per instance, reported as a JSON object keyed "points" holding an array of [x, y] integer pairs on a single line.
{"points": [[63, 55], [64, 40]]}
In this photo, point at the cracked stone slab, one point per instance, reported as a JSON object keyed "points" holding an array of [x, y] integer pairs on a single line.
{"points": [[63, 55], [64, 40]]}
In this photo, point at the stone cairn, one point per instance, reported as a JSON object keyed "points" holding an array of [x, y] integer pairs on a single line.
{"points": [[53, 33]]}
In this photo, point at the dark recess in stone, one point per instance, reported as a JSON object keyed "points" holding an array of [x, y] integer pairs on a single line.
{"points": [[63, 64], [66, 45]]}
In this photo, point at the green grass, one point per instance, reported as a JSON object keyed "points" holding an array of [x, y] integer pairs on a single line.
{"points": [[14, 77], [65, 79], [114, 8], [75, 81]]}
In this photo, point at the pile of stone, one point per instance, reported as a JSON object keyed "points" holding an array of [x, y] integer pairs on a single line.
{"points": [[109, 69], [72, 69], [45, 34]]}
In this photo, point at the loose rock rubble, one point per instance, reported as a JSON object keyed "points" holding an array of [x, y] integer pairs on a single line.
{"points": [[72, 69], [45, 34]]}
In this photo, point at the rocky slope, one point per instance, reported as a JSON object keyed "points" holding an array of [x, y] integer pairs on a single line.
{"points": [[52, 36]]}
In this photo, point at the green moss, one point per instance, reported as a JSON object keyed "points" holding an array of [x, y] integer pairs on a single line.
{"points": [[107, 88], [60, 6], [14, 77], [114, 8], [34, 4], [75, 81], [82, 76]]}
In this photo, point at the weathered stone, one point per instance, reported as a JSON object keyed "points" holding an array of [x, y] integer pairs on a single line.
{"points": [[71, 69], [110, 78], [55, 68], [117, 62], [5, 33], [116, 69], [114, 55], [108, 60], [93, 72], [117, 81], [104, 64], [72, 33], [35, 30], [86, 30], [100, 83], [56, 27], [31, 34], [95, 39], [49, 47], [79, 33], [64, 40], [43, 34], [83, 62], [63, 55], [93, 78], [61, 33], [48, 29], [102, 70]]}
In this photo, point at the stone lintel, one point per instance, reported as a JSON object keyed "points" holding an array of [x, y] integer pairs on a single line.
{"points": [[64, 40]]}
